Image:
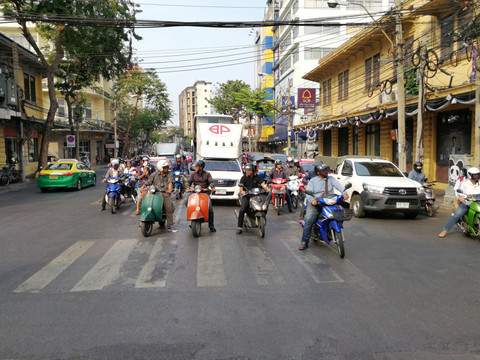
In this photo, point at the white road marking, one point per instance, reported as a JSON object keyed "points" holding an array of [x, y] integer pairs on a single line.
{"points": [[210, 271], [314, 266], [107, 269], [158, 258], [262, 266], [48, 273]]}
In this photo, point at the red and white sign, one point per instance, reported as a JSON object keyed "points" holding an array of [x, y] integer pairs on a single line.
{"points": [[219, 129], [70, 140]]}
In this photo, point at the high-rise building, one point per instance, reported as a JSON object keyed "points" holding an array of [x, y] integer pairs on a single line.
{"points": [[194, 100]]}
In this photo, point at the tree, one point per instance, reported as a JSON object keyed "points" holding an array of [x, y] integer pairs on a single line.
{"points": [[142, 85], [80, 40], [224, 101]]}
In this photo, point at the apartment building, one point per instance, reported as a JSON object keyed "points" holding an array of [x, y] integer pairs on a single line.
{"points": [[193, 100]]}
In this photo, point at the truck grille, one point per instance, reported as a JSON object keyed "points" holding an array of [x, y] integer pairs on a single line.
{"points": [[400, 191], [224, 182]]}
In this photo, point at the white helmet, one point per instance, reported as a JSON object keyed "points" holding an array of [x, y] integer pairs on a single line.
{"points": [[289, 159], [161, 164], [115, 162], [473, 171]]}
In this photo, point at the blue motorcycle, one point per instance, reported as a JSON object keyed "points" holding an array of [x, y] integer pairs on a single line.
{"points": [[329, 224], [131, 187], [113, 195], [178, 189]]}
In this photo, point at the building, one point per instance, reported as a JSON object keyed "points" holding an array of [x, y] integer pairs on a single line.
{"points": [[297, 49], [357, 105], [194, 100], [22, 115]]}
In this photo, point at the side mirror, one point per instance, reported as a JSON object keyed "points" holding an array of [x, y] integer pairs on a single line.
{"points": [[348, 186], [192, 168], [347, 173]]}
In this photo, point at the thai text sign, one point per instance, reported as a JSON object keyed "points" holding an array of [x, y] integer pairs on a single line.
{"points": [[306, 98]]}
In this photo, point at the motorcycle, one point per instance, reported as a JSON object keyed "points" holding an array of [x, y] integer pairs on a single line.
{"points": [[430, 199], [131, 188], [293, 185], [329, 224], [152, 210], [197, 209], [113, 196], [178, 184], [256, 214], [470, 222], [9, 174], [279, 190]]}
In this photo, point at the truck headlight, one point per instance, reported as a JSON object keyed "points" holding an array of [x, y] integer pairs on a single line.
{"points": [[375, 189], [420, 190]]}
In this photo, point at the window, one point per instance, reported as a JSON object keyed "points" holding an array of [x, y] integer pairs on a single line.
{"points": [[32, 150], [446, 37], [316, 53], [88, 110], [377, 169], [295, 56], [372, 71], [84, 147], [372, 140], [327, 92], [343, 85], [61, 108], [347, 169], [315, 3], [29, 88], [332, 29]]}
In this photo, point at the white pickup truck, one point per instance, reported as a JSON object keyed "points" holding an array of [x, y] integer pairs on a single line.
{"points": [[378, 185]]}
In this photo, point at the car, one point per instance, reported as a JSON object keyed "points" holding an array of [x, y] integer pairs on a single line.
{"points": [[155, 159], [378, 185], [66, 173], [282, 157], [226, 174]]}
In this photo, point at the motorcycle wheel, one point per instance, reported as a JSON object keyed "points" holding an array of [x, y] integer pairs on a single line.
{"points": [[17, 176], [4, 180], [261, 226], [429, 209], [179, 195], [338, 239], [294, 202], [113, 206], [196, 228], [146, 227], [476, 225]]}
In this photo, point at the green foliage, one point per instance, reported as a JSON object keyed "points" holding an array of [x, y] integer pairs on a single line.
{"points": [[255, 102], [224, 100], [411, 86]]}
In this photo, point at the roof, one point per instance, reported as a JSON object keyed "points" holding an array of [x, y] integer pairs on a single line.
{"points": [[25, 56]]}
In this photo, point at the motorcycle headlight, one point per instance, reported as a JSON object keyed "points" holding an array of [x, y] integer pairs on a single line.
{"points": [[373, 188], [149, 209], [265, 206]]}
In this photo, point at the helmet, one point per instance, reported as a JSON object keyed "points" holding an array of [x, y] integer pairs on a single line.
{"points": [[145, 158], [417, 166], [162, 164], [178, 156], [296, 161], [289, 160], [115, 162], [199, 163], [249, 167], [322, 169], [278, 161], [473, 173]]}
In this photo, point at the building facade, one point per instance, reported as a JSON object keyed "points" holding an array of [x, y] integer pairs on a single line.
{"points": [[194, 100], [357, 107]]}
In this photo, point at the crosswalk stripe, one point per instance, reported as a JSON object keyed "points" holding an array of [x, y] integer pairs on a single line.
{"points": [[107, 269], [48, 273], [262, 266], [210, 270], [315, 267], [158, 258]]}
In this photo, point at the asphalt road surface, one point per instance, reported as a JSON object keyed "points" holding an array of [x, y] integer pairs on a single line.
{"points": [[77, 283]]}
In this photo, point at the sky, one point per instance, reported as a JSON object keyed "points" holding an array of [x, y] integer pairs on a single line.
{"points": [[171, 50]]}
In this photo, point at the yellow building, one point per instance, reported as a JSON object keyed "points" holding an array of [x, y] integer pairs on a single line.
{"points": [[21, 113], [357, 109]]}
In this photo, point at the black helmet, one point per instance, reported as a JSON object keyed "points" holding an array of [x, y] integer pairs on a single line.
{"points": [[278, 161], [322, 169], [200, 163], [249, 167], [417, 166]]}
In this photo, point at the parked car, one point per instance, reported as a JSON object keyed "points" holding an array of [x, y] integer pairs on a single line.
{"points": [[378, 185], [66, 173]]}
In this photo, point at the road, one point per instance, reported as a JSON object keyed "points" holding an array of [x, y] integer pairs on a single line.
{"points": [[77, 283]]}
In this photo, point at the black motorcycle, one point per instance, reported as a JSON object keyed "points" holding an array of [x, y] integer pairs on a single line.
{"points": [[9, 174], [256, 214]]}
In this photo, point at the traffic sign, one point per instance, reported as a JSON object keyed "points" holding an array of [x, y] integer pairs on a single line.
{"points": [[306, 98], [70, 140]]}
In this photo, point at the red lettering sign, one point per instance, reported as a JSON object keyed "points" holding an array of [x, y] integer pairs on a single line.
{"points": [[219, 129]]}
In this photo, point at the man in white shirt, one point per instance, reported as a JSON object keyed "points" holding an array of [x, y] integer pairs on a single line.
{"points": [[468, 187]]}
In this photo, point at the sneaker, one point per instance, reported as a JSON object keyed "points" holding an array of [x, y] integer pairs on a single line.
{"points": [[172, 229], [304, 246], [212, 229], [239, 231], [290, 210], [102, 208]]}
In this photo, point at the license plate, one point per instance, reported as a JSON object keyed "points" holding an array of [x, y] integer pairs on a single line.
{"points": [[403, 205], [53, 176], [221, 191]]}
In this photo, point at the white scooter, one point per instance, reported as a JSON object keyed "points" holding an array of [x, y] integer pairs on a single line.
{"points": [[294, 185]]}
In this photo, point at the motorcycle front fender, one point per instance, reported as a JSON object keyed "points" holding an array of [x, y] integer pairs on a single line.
{"points": [[197, 215], [112, 194], [147, 216], [335, 225]]}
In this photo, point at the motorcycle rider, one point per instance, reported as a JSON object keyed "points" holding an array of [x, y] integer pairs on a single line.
{"points": [[279, 172], [468, 187], [248, 181], [320, 185], [182, 166], [143, 175], [296, 162], [204, 179], [113, 171], [417, 173], [162, 179]]}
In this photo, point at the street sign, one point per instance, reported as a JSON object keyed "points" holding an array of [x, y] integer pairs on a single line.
{"points": [[70, 141], [285, 100], [306, 98]]}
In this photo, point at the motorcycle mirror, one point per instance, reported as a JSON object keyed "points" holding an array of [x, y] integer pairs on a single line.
{"points": [[309, 192], [348, 186], [460, 191]]}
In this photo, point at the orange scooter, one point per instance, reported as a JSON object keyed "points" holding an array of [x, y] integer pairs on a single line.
{"points": [[197, 209]]}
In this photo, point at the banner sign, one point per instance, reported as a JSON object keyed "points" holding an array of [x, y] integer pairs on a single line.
{"points": [[306, 98]]}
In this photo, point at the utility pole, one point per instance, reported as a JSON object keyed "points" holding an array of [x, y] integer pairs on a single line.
{"points": [[115, 151], [402, 159], [289, 127], [476, 149], [22, 159], [421, 95]]}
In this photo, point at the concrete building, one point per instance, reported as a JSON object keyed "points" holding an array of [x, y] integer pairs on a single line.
{"points": [[193, 100]]}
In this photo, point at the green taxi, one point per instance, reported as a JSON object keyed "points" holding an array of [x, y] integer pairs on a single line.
{"points": [[66, 173]]}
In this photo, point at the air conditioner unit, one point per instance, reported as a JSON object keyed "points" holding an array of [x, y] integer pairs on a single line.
{"points": [[383, 98], [393, 95]]}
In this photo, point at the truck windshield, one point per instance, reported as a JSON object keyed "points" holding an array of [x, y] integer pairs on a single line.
{"points": [[377, 169], [228, 165]]}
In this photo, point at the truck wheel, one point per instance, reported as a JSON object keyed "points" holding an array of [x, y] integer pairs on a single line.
{"points": [[357, 206], [146, 227], [410, 215]]}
